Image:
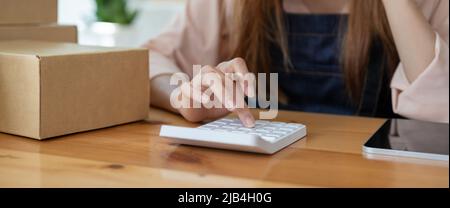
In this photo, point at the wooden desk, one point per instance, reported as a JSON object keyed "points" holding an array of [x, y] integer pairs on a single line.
{"points": [[134, 156]]}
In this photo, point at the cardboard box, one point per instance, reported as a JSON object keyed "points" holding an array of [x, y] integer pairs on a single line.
{"points": [[49, 32], [28, 11], [51, 89]]}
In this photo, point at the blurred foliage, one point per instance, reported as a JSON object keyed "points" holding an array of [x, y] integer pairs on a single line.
{"points": [[114, 11]]}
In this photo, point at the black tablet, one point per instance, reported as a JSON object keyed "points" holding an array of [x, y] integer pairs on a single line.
{"points": [[409, 138]]}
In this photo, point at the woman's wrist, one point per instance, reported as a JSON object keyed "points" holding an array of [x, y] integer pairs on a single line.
{"points": [[160, 90]]}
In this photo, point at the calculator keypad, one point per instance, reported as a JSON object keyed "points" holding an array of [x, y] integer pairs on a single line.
{"points": [[267, 130]]}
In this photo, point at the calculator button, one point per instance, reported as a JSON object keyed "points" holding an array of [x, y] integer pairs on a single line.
{"points": [[269, 138], [244, 130], [285, 129], [219, 122], [280, 132]]}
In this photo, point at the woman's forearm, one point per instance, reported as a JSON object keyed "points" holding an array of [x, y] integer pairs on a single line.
{"points": [[413, 36], [160, 92]]}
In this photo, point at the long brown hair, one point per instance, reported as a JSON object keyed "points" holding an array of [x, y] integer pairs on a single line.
{"points": [[260, 23]]}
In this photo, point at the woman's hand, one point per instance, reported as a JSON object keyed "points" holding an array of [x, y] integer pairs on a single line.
{"points": [[215, 84]]}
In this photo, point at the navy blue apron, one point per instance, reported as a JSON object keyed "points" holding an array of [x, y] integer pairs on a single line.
{"points": [[314, 82]]}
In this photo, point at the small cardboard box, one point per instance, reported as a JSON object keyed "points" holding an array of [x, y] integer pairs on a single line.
{"points": [[50, 89], [48, 32], [28, 11]]}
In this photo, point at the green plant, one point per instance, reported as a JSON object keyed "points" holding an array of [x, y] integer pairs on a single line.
{"points": [[114, 11]]}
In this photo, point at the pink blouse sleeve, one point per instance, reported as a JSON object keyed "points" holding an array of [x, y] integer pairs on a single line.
{"points": [[427, 98], [193, 38]]}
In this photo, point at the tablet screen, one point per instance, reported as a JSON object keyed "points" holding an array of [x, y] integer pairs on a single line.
{"points": [[413, 136]]}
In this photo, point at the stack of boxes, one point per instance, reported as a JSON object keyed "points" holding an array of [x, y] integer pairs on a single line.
{"points": [[33, 20], [50, 86]]}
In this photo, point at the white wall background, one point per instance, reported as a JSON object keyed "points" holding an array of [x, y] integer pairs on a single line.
{"points": [[154, 16]]}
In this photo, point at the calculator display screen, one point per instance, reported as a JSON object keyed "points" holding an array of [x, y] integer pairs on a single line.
{"points": [[410, 135]]}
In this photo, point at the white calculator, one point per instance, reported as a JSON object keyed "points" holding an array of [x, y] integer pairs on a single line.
{"points": [[266, 137]]}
